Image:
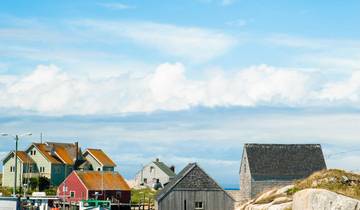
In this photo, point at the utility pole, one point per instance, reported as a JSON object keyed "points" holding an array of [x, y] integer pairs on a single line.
{"points": [[16, 149], [16, 137]]}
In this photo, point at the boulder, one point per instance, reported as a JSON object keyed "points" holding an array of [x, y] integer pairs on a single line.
{"points": [[320, 199]]}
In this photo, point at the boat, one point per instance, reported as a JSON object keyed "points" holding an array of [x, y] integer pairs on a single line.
{"points": [[94, 205]]}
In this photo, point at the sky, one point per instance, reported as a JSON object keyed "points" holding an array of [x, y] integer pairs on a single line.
{"points": [[183, 81]]}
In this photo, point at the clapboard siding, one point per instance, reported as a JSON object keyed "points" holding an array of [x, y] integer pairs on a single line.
{"points": [[192, 185], [212, 200]]}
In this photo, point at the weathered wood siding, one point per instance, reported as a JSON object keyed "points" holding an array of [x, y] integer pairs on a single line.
{"points": [[192, 185], [245, 177], [212, 200]]}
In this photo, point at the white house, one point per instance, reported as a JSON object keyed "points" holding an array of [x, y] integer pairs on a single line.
{"points": [[155, 174]]}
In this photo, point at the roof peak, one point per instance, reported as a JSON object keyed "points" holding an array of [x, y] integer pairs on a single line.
{"points": [[279, 145]]}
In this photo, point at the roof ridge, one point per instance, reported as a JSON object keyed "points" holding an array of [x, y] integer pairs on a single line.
{"points": [[177, 179]]}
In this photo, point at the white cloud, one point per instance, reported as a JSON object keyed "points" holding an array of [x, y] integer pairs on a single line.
{"points": [[348, 90], [312, 43], [116, 6], [49, 90], [193, 43]]}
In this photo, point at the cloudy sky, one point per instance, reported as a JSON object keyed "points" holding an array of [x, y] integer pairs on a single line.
{"points": [[185, 81]]}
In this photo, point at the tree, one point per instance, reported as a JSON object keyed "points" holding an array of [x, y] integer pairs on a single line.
{"points": [[44, 183]]}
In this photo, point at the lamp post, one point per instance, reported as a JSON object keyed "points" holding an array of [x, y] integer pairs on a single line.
{"points": [[16, 137]]}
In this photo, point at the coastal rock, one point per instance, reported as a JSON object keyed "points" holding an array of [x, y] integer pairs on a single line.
{"points": [[319, 199]]}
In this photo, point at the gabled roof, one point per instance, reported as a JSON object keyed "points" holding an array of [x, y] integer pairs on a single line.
{"points": [[66, 152], [102, 180], [164, 168], [45, 151], [101, 157], [191, 178], [57, 153], [23, 157], [284, 161]]}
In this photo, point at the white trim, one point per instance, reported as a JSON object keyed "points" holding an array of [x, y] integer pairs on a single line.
{"points": [[63, 162], [44, 156], [87, 151], [79, 179]]}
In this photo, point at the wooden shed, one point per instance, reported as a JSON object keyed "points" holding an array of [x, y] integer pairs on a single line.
{"points": [[193, 189], [102, 185]]}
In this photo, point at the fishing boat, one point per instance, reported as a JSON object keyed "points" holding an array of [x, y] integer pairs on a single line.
{"points": [[94, 205]]}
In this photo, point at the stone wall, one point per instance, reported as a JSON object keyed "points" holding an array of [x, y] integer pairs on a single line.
{"points": [[258, 187], [245, 178]]}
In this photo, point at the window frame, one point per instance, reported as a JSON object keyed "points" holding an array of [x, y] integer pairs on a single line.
{"points": [[199, 207], [72, 194]]}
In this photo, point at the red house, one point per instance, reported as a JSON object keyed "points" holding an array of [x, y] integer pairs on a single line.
{"points": [[103, 185]]}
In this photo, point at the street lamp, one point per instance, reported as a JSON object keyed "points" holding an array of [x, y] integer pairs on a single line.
{"points": [[16, 137]]}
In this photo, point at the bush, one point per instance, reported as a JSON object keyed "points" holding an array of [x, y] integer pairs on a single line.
{"points": [[137, 195], [44, 183], [51, 191]]}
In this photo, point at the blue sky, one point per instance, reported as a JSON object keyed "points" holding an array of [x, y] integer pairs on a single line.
{"points": [[183, 80]]}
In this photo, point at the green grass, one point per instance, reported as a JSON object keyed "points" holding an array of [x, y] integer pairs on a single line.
{"points": [[335, 180], [137, 195]]}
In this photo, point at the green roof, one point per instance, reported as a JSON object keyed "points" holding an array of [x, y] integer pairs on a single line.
{"points": [[164, 168]]}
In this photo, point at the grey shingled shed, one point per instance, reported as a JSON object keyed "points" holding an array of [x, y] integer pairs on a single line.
{"points": [[264, 166]]}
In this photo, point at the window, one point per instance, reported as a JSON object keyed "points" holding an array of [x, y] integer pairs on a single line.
{"points": [[12, 168], [99, 169], [151, 169], [145, 180], [72, 194], [42, 169], [31, 152], [184, 204], [34, 153], [199, 205]]}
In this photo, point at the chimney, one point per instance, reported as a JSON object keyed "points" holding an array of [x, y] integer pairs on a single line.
{"points": [[157, 160], [172, 168], [77, 151]]}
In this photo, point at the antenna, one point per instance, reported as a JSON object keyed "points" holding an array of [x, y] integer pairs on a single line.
{"points": [[41, 137]]}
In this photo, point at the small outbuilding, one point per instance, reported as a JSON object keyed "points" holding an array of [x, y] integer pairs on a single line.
{"points": [[155, 174], [264, 166], [193, 189], [101, 185]]}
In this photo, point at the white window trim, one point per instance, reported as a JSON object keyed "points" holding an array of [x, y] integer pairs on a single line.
{"points": [[202, 204], [74, 194]]}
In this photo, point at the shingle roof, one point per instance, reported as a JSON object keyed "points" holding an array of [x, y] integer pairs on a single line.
{"points": [[66, 152], [103, 180], [46, 153], [284, 161], [24, 157], [101, 157], [164, 168], [64, 155], [192, 177], [58, 152]]}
